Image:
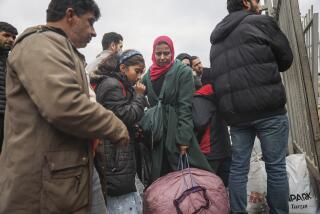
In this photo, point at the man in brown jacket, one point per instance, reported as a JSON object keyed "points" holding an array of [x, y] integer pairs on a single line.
{"points": [[46, 162]]}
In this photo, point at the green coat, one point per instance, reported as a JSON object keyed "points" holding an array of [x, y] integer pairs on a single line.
{"points": [[178, 124]]}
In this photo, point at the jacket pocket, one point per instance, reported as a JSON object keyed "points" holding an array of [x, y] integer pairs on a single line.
{"points": [[121, 169], [65, 182]]}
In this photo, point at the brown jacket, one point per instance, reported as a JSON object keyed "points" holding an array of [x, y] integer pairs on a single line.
{"points": [[46, 162]]}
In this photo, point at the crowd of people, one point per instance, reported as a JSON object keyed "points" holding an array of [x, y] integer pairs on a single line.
{"points": [[76, 136]]}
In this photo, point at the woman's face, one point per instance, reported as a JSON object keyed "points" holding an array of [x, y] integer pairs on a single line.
{"points": [[133, 72], [162, 54]]}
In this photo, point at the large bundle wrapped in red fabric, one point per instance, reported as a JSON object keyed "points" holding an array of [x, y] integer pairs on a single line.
{"points": [[188, 191]]}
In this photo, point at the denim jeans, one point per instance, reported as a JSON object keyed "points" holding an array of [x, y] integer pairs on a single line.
{"points": [[273, 135], [130, 203], [98, 205]]}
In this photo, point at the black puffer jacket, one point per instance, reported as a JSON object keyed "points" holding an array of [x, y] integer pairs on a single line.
{"points": [[117, 166], [248, 51], [3, 59]]}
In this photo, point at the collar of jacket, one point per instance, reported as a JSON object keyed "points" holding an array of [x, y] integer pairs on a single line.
{"points": [[104, 53], [227, 25], [44, 28], [56, 30], [62, 33], [120, 77]]}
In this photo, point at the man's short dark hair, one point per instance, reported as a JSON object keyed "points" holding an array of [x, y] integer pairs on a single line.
{"points": [[234, 5], [110, 37], [57, 8], [6, 27], [183, 56]]}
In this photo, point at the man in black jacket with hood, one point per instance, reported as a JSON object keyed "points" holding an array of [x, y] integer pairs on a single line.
{"points": [[247, 55], [7, 36]]}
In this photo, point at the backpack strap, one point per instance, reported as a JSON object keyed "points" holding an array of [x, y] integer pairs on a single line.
{"points": [[98, 87], [150, 87], [124, 92]]}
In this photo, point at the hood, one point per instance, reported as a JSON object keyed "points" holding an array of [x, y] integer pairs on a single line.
{"points": [[44, 28], [227, 25], [104, 54], [98, 78], [27, 32], [39, 28]]}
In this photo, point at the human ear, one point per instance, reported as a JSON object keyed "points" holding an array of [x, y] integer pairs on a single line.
{"points": [[113, 46], [70, 14], [123, 68], [246, 4]]}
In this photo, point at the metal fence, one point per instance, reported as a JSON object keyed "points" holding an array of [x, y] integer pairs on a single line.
{"points": [[301, 105], [310, 25]]}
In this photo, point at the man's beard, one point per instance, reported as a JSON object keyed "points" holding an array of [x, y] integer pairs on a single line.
{"points": [[5, 48]]}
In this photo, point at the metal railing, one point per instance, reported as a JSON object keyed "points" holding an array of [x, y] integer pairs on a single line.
{"points": [[310, 25], [299, 84]]}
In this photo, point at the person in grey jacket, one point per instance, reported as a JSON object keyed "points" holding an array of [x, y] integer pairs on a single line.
{"points": [[112, 42]]}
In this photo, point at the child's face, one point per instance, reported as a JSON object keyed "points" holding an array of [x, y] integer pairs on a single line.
{"points": [[134, 72]]}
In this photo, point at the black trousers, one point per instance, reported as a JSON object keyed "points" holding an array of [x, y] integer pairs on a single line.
{"points": [[221, 167]]}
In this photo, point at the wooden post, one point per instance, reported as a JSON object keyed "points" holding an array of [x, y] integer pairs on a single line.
{"points": [[307, 79], [315, 53], [268, 3]]}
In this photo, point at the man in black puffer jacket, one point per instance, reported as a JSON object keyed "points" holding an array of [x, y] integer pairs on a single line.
{"points": [[247, 55], [7, 36]]}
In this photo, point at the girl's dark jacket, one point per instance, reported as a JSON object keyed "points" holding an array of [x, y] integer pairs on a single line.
{"points": [[117, 166], [248, 53]]}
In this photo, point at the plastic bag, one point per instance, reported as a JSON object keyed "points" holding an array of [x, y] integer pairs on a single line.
{"points": [[302, 198], [187, 191], [257, 189], [303, 195]]}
